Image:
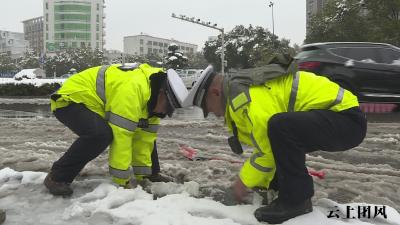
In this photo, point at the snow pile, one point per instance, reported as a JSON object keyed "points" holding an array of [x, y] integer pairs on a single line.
{"points": [[368, 61], [396, 62], [98, 201], [349, 63], [34, 81], [25, 74], [369, 173], [33, 101]]}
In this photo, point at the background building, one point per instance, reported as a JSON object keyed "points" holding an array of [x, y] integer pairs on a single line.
{"points": [[145, 44], [13, 44], [73, 24], [33, 30]]}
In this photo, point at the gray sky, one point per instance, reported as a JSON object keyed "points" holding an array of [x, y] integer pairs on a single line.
{"points": [[153, 17]]}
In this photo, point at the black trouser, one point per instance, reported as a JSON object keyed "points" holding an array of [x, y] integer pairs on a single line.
{"points": [[294, 134], [94, 136]]}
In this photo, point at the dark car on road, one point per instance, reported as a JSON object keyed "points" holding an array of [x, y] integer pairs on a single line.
{"points": [[370, 70]]}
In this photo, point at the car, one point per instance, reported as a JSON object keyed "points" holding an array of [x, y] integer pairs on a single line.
{"points": [[369, 70], [65, 76], [189, 76]]}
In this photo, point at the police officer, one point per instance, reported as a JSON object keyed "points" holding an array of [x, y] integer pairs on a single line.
{"points": [[283, 118], [118, 106]]}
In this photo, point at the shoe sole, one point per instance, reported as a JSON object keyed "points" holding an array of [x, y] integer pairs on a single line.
{"points": [[60, 194], [55, 193], [278, 220]]}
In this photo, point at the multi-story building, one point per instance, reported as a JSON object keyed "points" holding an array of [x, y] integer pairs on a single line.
{"points": [[33, 30], [144, 44], [313, 7], [73, 24], [13, 43]]}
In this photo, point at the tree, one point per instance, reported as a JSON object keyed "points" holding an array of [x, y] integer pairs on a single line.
{"points": [[7, 64], [384, 16], [175, 58], [30, 60], [129, 59], [245, 47], [79, 59], [154, 59], [356, 20], [197, 61]]}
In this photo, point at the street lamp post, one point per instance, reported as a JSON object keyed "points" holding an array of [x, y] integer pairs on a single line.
{"points": [[55, 71], [271, 5], [207, 24]]}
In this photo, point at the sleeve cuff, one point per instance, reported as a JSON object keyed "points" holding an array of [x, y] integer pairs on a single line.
{"points": [[252, 177]]}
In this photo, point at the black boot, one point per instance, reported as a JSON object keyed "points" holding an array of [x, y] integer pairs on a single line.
{"points": [[57, 188], [159, 177], [278, 212], [2, 216]]}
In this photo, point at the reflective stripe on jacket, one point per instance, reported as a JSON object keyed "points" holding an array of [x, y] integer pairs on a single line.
{"points": [[251, 112], [121, 98]]}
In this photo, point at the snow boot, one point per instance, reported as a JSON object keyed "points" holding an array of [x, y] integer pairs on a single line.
{"points": [[159, 177], [57, 188], [2, 216], [277, 212]]}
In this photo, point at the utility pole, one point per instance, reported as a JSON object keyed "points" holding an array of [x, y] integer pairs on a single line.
{"points": [[55, 71], [271, 5], [207, 24]]}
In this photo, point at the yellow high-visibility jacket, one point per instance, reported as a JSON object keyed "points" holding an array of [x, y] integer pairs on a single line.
{"points": [[251, 112], [120, 97]]}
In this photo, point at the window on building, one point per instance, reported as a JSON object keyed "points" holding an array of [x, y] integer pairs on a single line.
{"points": [[165, 45], [149, 50], [97, 45], [98, 6], [47, 27], [155, 43], [141, 49], [155, 50], [149, 43], [97, 36], [160, 44], [74, 44], [47, 5], [97, 27], [187, 48], [83, 44], [47, 36], [97, 18], [47, 17], [141, 41]]}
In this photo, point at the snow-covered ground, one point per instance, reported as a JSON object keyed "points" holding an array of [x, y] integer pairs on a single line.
{"points": [[368, 175], [34, 81]]}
